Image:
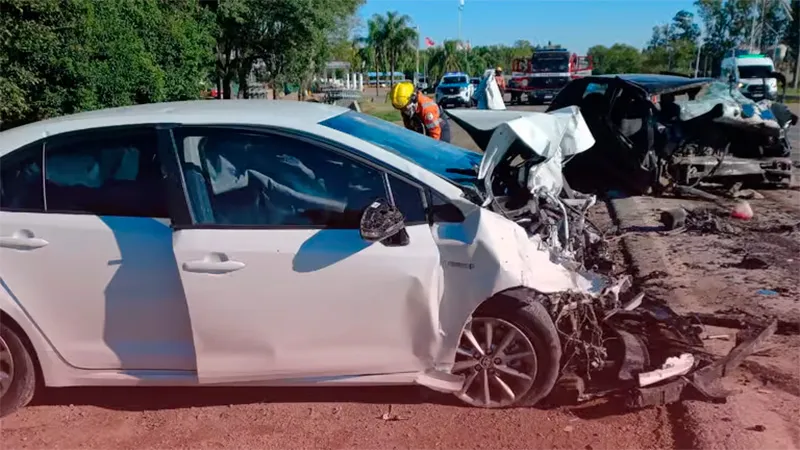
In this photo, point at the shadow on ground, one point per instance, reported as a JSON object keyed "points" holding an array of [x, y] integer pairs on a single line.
{"points": [[164, 398]]}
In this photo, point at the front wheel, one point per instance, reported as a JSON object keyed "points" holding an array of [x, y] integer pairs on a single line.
{"points": [[17, 373], [509, 354]]}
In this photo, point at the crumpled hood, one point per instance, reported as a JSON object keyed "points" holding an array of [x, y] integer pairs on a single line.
{"points": [[551, 137]]}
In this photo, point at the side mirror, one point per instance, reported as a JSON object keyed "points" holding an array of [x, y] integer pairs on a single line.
{"points": [[382, 222]]}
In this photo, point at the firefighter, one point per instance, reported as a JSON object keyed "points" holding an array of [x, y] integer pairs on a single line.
{"points": [[501, 81], [412, 103]]}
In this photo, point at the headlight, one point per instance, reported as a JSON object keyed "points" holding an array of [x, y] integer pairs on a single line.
{"points": [[740, 85]]}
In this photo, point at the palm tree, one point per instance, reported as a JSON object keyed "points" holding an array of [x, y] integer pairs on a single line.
{"points": [[376, 43], [444, 59], [400, 38]]}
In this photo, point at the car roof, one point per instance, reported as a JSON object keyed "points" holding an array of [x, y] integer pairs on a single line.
{"points": [[656, 83], [288, 114]]}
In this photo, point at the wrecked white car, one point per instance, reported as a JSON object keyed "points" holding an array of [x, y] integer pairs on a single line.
{"points": [[283, 243]]}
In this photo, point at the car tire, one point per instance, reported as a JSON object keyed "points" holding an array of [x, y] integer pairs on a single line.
{"points": [[529, 316], [23, 382]]}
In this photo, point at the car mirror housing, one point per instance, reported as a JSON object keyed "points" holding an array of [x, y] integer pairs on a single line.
{"points": [[381, 221]]}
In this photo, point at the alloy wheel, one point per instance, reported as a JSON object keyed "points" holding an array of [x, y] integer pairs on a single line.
{"points": [[6, 368], [498, 361]]}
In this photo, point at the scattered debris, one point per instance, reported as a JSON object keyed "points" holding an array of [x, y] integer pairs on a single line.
{"points": [[389, 417], [743, 321], [674, 218], [742, 210], [767, 292], [748, 194], [708, 220], [672, 367], [757, 428], [704, 381], [750, 262], [721, 337], [569, 428]]}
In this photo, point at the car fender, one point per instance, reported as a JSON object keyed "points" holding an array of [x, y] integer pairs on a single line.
{"points": [[44, 351], [485, 255]]}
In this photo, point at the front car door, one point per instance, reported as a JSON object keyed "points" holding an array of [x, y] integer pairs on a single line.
{"points": [[279, 282]]}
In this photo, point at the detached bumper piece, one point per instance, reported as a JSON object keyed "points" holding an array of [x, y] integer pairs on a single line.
{"points": [[703, 383]]}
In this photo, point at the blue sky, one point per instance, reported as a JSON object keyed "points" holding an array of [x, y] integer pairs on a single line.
{"points": [[575, 24]]}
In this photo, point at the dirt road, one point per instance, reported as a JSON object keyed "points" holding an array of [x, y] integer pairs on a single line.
{"points": [[142, 418]]}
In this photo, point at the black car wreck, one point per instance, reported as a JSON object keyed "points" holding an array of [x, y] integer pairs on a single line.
{"points": [[655, 132]]}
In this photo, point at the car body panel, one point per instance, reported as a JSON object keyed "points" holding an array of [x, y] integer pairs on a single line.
{"points": [[333, 321], [290, 313], [90, 301]]}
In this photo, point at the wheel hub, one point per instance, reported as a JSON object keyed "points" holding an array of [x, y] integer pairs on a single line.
{"points": [[498, 361]]}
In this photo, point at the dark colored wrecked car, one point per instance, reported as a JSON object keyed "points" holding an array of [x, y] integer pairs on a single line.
{"points": [[654, 132]]}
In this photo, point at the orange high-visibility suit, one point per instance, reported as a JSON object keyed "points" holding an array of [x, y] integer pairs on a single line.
{"points": [[436, 125]]}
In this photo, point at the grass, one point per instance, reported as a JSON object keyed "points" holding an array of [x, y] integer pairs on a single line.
{"points": [[383, 111]]}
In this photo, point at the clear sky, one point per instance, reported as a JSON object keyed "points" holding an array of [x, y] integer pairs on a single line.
{"points": [[575, 24]]}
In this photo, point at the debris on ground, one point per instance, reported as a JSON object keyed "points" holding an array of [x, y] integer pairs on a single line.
{"points": [[708, 220], [742, 210], [750, 262]]}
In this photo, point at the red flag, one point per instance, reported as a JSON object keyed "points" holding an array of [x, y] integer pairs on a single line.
{"points": [[429, 42]]}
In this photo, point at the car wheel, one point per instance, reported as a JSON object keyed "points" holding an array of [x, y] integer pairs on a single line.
{"points": [[17, 373], [509, 354]]}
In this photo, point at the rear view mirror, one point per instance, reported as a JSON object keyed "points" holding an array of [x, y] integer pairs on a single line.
{"points": [[381, 221]]}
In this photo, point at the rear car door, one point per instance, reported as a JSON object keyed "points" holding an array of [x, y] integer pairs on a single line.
{"points": [[279, 282], [86, 250]]}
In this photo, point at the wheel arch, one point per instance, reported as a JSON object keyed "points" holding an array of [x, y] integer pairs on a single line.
{"points": [[7, 320]]}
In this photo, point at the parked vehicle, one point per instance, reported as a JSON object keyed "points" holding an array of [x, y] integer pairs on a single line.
{"points": [[752, 75], [455, 89], [288, 243], [554, 64]]}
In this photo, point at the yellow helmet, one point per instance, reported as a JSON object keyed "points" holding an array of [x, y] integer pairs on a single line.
{"points": [[499, 69], [402, 94]]}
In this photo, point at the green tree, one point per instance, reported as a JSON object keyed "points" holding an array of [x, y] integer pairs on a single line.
{"points": [[730, 24], [619, 58], [64, 56]]}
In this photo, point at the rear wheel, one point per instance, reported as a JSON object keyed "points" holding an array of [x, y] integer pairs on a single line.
{"points": [[509, 354], [17, 373]]}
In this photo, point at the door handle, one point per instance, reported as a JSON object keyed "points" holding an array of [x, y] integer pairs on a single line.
{"points": [[215, 267], [22, 240]]}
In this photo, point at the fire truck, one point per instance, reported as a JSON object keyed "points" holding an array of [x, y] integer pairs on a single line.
{"points": [[540, 77]]}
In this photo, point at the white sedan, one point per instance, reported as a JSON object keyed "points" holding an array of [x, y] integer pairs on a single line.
{"points": [[263, 243]]}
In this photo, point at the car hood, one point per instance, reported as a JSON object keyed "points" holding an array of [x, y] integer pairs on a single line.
{"points": [[545, 139]]}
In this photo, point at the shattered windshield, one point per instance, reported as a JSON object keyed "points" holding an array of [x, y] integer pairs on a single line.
{"points": [[755, 72], [454, 164]]}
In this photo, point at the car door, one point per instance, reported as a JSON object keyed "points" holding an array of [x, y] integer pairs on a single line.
{"points": [[86, 250], [279, 282]]}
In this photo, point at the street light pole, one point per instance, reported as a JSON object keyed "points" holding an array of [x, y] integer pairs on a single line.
{"points": [[460, 8], [416, 70]]}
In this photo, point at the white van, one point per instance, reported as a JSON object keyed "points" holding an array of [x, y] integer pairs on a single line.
{"points": [[749, 72]]}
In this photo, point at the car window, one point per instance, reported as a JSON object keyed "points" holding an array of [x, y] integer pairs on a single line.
{"points": [[454, 80], [595, 88], [408, 199], [240, 178], [21, 180], [105, 173]]}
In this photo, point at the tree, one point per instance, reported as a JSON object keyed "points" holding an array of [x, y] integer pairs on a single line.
{"points": [[64, 56], [619, 58], [673, 47], [292, 38], [731, 24], [445, 59]]}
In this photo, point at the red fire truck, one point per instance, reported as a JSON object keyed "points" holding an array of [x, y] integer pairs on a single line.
{"points": [[541, 76]]}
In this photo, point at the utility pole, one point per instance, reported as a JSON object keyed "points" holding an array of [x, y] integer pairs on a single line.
{"points": [[460, 8], [416, 70]]}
